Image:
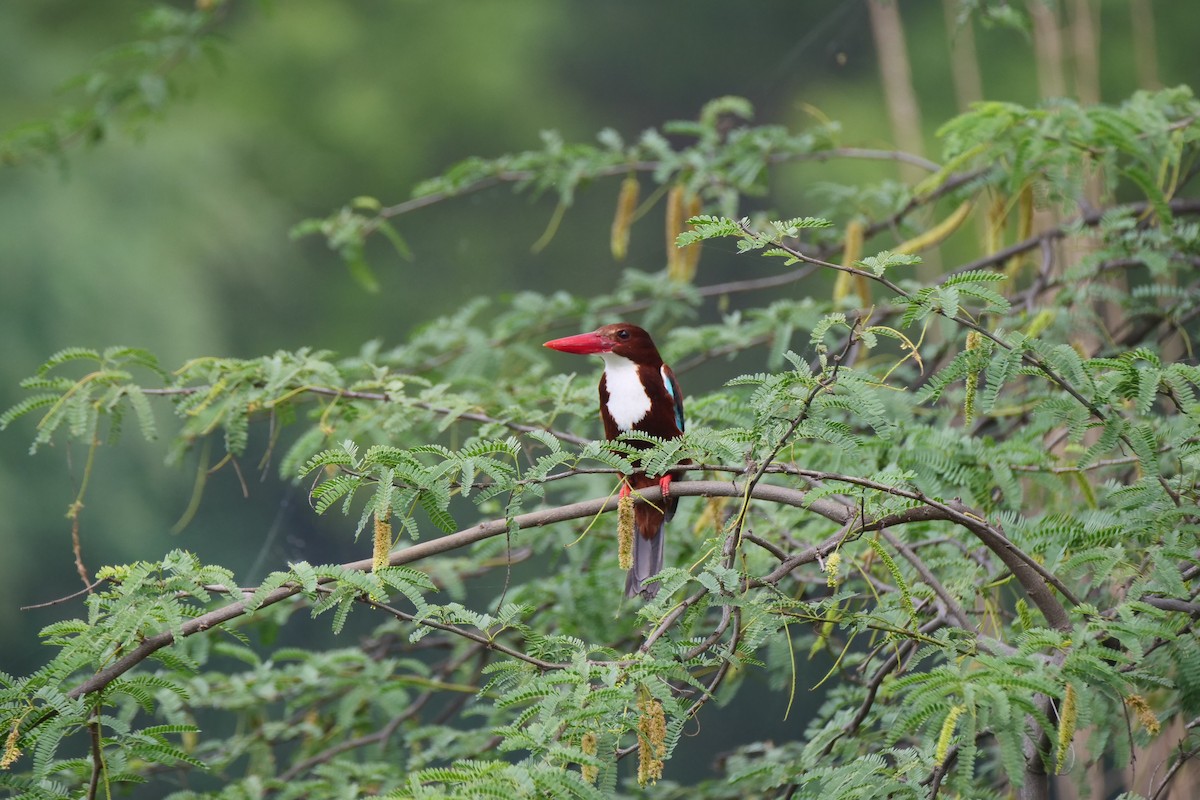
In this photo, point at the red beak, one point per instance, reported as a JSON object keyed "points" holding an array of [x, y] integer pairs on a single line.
{"points": [[584, 344]]}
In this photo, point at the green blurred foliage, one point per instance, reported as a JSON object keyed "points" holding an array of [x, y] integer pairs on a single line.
{"points": [[174, 235]]}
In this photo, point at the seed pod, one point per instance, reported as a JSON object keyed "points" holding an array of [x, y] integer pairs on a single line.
{"points": [[674, 227], [691, 253], [935, 235], [627, 202], [855, 233], [711, 518], [383, 540], [625, 531], [1024, 230], [994, 225]]}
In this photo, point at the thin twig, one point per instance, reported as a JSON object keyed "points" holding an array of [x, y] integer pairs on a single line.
{"points": [[479, 639], [85, 590]]}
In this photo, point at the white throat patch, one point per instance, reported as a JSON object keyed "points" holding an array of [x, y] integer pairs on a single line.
{"points": [[628, 402]]}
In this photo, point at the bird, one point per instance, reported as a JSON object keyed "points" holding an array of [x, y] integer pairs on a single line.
{"points": [[638, 392]]}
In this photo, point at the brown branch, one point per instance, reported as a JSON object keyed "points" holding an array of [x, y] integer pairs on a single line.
{"points": [[378, 737], [97, 755], [956, 611], [833, 510], [1180, 205], [1184, 757], [723, 670], [624, 168], [955, 511], [454, 541], [895, 74], [890, 665], [382, 735]]}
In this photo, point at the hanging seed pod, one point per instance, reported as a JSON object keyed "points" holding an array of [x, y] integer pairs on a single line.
{"points": [[674, 227], [938, 233], [627, 202], [383, 540], [625, 531], [691, 253], [712, 517], [993, 232], [1024, 230], [855, 233]]}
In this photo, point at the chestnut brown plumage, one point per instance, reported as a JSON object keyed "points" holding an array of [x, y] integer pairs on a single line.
{"points": [[638, 392]]}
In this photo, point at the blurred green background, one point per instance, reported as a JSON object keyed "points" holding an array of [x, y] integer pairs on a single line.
{"points": [[176, 239]]}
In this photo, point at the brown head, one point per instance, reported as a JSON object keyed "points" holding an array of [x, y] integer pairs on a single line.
{"points": [[620, 338]]}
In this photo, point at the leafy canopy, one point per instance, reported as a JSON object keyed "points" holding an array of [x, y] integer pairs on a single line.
{"points": [[975, 490]]}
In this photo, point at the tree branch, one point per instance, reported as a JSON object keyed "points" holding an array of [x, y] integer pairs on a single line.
{"points": [[825, 507]]}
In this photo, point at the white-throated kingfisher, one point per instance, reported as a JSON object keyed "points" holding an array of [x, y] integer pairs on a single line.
{"points": [[638, 392]]}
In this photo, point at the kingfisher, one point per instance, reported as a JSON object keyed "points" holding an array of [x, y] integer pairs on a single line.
{"points": [[638, 392]]}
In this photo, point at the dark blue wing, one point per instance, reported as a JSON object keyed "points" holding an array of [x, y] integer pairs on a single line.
{"points": [[676, 395]]}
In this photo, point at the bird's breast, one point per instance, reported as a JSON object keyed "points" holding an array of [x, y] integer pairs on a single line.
{"points": [[628, 402]]}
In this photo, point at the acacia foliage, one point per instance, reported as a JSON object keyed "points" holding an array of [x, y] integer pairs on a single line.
{"points": [[976, 490]]}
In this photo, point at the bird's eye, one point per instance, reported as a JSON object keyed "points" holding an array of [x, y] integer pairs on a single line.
{"points": [[622, 334]]}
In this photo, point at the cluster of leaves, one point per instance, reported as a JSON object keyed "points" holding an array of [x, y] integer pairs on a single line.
{"points": [[130, 85], [720, 160], [984, 513]]}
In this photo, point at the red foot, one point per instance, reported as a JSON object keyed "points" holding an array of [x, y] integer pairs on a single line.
{"points": [[664, 483], [625, 490]]}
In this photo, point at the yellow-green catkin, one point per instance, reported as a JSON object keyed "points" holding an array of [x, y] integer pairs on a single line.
{"points": [[1067, 717], [947, 735], [972, 382], [627, 202], [625, 531], [11, 751], [589, 744], [652, 738], [832, 562], [383, 540], [1145, 715], [1024, 615]]}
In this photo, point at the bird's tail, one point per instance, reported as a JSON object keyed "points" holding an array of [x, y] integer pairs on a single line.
{"points": [[647, 552]]}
